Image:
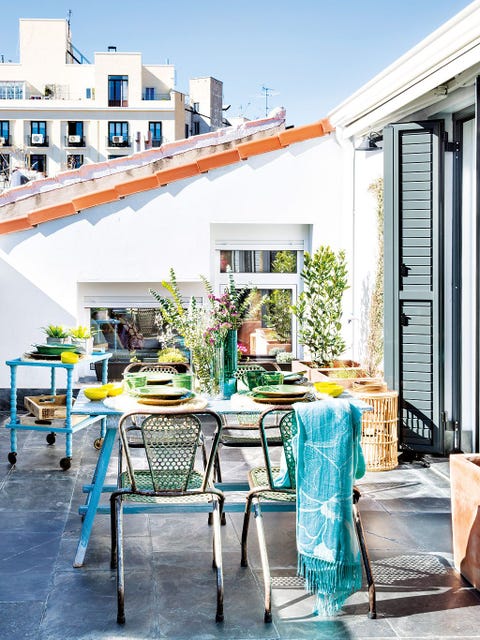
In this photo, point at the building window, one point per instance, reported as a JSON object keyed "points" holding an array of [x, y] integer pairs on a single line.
{"points": [[196, 128], [75, 137], [38, 162], [118, 134], [244, 261], [4, 166], [150, 93], [74, 161], [38, 133], [155, 129], [187, 131], [90, 93], [11, 90], [4, 133], [196, 107], [118, 91]]}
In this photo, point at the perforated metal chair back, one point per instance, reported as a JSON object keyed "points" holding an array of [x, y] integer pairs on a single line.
{"points": [[170, 445]]}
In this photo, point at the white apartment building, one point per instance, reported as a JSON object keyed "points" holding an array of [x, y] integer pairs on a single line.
{"points": [[59, 111]]}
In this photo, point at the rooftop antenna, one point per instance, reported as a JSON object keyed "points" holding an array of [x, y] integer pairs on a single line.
{"points": [[268, 93]]}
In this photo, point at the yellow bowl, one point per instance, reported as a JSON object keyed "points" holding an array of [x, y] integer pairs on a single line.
{"points": [[95, 393], [69, 357], [115, 390], [331, 388]]}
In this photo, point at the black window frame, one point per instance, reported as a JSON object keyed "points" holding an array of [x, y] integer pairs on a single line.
{"points": [[118, 91]]}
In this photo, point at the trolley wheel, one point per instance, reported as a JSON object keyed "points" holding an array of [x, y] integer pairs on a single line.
{"points": [[65, 463], [12, 457], [50, 438], [97, 443]]}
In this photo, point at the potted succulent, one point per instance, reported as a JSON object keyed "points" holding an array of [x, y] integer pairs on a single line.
{"points": [[56, 333], [82, 336], [319, 314]]}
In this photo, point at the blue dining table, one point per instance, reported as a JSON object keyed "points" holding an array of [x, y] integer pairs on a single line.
{"points": [[116, 407]]}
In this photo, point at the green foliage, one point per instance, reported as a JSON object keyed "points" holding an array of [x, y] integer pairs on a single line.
{"points": [[374, 350], [278, 313], [319, 306], [56, 331], [171, 354], [80, 333], [285, 262]]}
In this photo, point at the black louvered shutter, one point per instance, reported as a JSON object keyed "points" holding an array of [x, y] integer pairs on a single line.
{"points": [[413, 279]]}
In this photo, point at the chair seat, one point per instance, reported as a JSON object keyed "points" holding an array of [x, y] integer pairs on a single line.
{"points": [[258, 477], [247, 438], [168, 483]]}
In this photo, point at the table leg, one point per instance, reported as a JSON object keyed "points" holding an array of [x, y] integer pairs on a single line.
{"points": [[94, 496]]}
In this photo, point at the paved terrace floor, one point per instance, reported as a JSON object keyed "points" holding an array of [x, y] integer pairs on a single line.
{"points": [[170, 591]]}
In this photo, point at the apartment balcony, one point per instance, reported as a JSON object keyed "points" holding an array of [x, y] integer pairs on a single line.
{"points": [[119, 141], [147, 95], [38, 140], [157, 142], [75, 141], [5, 141]]}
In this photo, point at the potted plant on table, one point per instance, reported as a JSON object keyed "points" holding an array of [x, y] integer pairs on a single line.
{"points": [[82, 336], [56, 333], [319, 314]]}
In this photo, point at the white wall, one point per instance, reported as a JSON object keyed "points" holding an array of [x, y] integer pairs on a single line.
{"points": [[136, 240]]}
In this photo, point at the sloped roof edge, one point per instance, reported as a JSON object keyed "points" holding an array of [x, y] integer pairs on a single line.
{"points": [[91, 185]]}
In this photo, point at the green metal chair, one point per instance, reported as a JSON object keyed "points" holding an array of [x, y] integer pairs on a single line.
{"points": [[262, 489], [160, 472]]}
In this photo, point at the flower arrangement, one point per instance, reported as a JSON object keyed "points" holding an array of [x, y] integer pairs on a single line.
{"points": [[203, 327]]}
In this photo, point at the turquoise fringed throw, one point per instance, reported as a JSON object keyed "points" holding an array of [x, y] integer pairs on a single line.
{"points": [[328, 458]]}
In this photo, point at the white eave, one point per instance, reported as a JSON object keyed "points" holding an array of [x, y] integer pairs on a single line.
{"points": [[445, 60]]}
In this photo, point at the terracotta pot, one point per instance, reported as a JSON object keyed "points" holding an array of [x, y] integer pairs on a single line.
{"points": [[465, 497]]}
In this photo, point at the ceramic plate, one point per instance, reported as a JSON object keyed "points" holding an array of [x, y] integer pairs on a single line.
{"points": [[279, 400], [54, 349], [161, 391], [164, 402], [281, 390], [157, 377]]}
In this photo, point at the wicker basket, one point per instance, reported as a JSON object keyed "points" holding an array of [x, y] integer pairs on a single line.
{"points": [[380, 430]]}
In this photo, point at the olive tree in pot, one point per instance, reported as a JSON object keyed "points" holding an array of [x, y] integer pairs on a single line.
{"points": [[319, 314]]}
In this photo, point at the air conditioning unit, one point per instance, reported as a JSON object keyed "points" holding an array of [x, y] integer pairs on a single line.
{"points": [[37, 138], [2, 141], [117, 139], [74, 139]]}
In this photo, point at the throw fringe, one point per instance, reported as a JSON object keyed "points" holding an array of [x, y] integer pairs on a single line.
{"points": [[323, 579]]}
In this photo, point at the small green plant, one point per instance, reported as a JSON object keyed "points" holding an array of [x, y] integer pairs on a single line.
{"points": [[319, 306], [80, 333], [171, 354], [56, 331], [284, 357]]}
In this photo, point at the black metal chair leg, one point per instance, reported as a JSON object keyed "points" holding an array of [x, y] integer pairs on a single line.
{"points": [[246, 522], [217, 554], [267, 583], [120, 570], [372, 610]]}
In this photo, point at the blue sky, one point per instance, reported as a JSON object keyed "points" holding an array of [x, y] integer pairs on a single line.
{"points": [[310, 54]]}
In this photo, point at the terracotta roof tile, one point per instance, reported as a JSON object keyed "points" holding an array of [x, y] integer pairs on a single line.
{"points": [[177, 173], [137, 185], [51, 213], [14, 224], [94, 199], [256, 147], [299, 134], [216, 160], [206, 160]]}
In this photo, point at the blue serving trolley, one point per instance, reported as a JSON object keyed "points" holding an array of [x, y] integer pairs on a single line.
{"points": [[65, 426]]}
